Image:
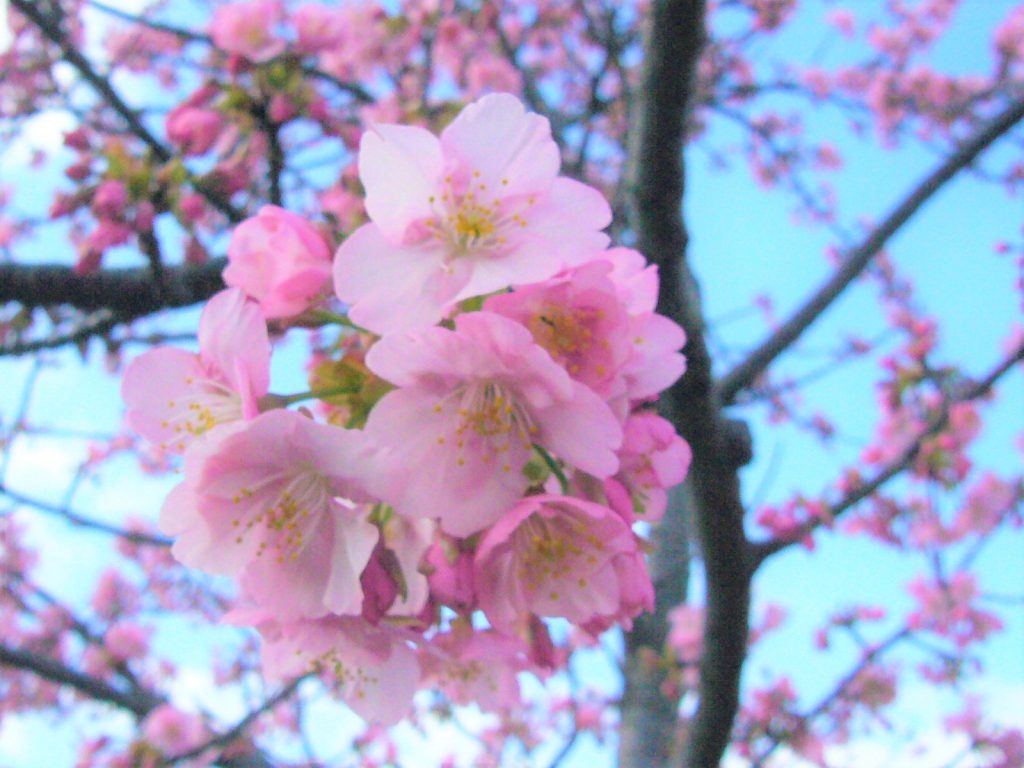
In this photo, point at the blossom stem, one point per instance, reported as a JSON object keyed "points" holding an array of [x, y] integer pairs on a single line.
{"points": [[318, 394], [553, 466], [334, 318]]}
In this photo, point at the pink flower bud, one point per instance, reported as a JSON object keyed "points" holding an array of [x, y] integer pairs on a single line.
{"points": [[191, 207], [280, 260], [194, 130], [77, 139]]}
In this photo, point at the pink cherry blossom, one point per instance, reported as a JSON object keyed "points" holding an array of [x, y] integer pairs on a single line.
{"points": [[173, 395], [393, 583], [451, 574], [455, 436], [261, 501], [319, 27], [947, 609], [652, 459], [579, 320], [986, 503], [476, 667], [558, 556], [408, 540], [686, 632], [247, 29], [655, 362], [110, 199], [125, 641], [374, 669], [468, 214], [280, 260]]}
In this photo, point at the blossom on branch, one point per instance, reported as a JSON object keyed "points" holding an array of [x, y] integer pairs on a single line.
{"points": [[473, 212]]}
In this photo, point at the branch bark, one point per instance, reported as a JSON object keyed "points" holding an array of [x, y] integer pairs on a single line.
{"points": [[674, 36], [128, 293], [857, 260], [139, 704], [81, 521]]}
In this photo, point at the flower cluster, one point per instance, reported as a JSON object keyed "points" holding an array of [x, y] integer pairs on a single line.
{"points": [[484, 442]]}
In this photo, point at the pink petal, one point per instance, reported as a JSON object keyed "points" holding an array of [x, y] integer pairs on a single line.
{"points": [[233, 340], [511, 149], [157, 387], [390, 287], [584, 432], [400, 167], [421, 477]]}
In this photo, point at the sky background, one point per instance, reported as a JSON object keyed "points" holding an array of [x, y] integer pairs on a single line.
{"points": [[743, 245]]}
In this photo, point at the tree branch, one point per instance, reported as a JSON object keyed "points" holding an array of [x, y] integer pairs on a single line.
{"points": [[239, 729], [136, 537], [764, 549], [128, 293], [674, 37], [184, 34], [744, 374], [138, 703]]}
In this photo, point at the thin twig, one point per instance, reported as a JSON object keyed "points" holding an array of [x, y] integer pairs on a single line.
{"points": [[764, 549], [81, 521], [744, 374], [73, 56], [242, 725]]}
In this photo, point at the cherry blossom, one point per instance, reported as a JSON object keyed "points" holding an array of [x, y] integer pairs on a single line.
{"points": [[247, 29], [652, 459], [173, 396], [470, 213], [470, 404], [557, 556], [374, 668], [270, 501]]}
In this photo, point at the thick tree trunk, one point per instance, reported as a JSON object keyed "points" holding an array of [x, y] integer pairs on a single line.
{"points": [[673, 39]]}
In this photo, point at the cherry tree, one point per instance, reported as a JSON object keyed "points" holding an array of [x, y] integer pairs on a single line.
{"points": [[423, 411]]}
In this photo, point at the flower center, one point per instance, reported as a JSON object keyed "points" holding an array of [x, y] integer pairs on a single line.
{"points": [[470, 220], [293, 503], [563, 333], [492, 420], [344, 674], [208, 403], [553, 549]]}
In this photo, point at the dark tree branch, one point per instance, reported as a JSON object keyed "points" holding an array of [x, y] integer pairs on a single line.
{"points": [[239, 729], [80, 627], [275, 159], [744, 374], [128, 293], [764, 549], [647, 733], [94, 325], [138, 703], [674, 37], [184, 34]]}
